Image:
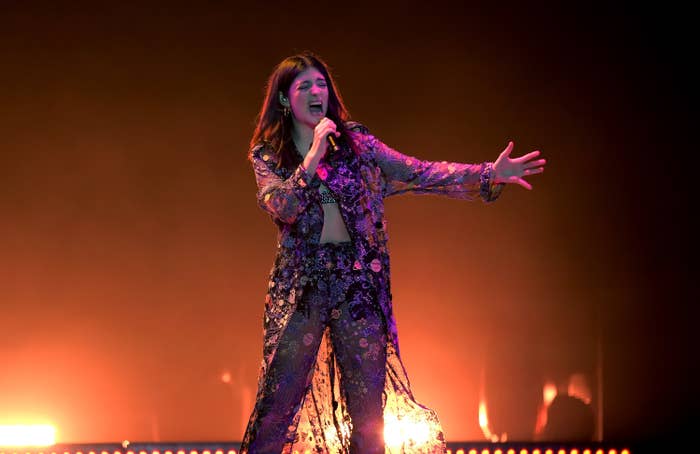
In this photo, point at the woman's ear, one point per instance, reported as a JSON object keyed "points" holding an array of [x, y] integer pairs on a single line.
{"points": [[283, 100]]}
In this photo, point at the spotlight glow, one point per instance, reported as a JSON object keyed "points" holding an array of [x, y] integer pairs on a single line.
{"points": [[27, 435], [399, 432]]}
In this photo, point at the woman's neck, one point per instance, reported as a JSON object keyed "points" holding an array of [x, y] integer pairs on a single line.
{"points": [[302, 136]]}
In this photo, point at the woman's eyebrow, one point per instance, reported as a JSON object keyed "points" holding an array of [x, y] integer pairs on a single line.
{"points": [[318, 79]]}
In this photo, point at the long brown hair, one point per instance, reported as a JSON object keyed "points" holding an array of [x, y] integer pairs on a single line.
{"points": [[274, 129]]}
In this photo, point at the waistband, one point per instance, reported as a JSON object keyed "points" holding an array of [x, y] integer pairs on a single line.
{"points": [[331, 256], [344, 245], [328, 250]]}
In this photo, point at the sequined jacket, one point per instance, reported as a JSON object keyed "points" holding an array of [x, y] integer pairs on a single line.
{"points": [[359, 183]]}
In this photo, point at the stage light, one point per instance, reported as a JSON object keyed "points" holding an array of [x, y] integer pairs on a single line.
{"points": [[484, 425], [398, 432], [27, 435]]}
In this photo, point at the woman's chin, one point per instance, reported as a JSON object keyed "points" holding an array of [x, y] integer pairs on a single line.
{"points": [[309, 120], [313, 120]]}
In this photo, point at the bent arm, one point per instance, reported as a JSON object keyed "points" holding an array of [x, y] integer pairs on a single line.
{"points": [[402, 173], [282, 199]]}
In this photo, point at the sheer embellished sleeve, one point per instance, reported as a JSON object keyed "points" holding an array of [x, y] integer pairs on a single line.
{"points": [[282, 198], [402, 174]]}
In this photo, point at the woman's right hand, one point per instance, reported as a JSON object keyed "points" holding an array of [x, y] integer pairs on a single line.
{"points": [[323, 129]]}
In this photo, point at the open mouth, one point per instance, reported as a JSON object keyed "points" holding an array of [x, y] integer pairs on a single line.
{"points": [[316, 108]]}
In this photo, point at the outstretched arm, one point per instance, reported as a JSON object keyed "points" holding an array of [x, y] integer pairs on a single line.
{"points": [[402, 173], [282, 199]]}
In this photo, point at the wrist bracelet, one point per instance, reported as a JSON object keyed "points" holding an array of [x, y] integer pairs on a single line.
{"points": [[485, 180]]}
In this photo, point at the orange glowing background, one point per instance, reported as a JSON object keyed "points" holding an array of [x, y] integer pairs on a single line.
{"points": [[134, 259]]}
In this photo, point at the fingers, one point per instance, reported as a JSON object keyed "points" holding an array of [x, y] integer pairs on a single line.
{"points": [[332, 128], [528, 156], [524, 184], [533, 171], [325, 127], [538, 163], [508, 149]]}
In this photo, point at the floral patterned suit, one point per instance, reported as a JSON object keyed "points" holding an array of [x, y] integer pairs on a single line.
{"points": [[359, 182]]}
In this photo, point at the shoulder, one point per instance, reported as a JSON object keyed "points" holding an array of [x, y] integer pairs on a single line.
{"points": [[356, 127], [363, 142], [258, 149], [261, 151], [360, 135]]}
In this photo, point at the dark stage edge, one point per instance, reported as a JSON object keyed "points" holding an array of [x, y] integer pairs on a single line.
{"points": [[226, 447]]}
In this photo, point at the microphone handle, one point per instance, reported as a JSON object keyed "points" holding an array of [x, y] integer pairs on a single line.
{"points": [[334, 145]]}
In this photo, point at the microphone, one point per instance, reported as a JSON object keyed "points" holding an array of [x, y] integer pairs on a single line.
{"points": [[333, 143]]}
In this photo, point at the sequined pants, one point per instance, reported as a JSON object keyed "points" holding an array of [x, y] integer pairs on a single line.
{"points": [[331, 298]]}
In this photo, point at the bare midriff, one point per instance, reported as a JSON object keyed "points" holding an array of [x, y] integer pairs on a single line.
{"points": [[334, 230]]}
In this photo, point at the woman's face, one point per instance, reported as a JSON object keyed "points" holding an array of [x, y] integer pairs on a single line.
{"points": [[308, 98]]}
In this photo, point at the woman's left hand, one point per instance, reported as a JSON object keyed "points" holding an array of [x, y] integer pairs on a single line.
{"points": [[507, 170]]}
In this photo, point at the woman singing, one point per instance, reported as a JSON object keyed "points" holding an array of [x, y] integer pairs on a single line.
{"points": [[331, 378]]}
